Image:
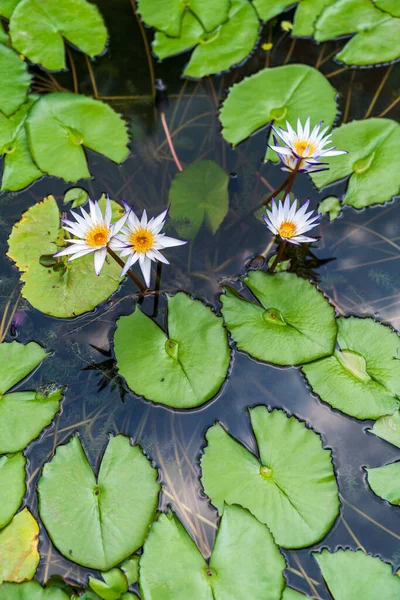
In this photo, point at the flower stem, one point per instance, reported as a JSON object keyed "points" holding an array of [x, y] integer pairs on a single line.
{"points": [[170, 143], [131, 274], [277, 191], [278, 257]]}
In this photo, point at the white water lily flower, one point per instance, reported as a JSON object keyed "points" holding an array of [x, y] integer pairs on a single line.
{"points": [[93, 233], [142, 241], [289, 223], [301, 144]]}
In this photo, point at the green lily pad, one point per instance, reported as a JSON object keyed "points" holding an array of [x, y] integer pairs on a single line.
{"points": [[7, 7], [19, 168], [229, 45], [60, 124], [291, 594], [12, 486], [114, 585], [15, 80], [78, 197], [372, 146], [388, 428], [390, 6], [362, 377], [245, 562], [292, 322], [98, 521], [307, 13], [276, 95], [169, 16], [385, 482], [23, 415], [37, 30], [330, 206], [3, 34], [68, 291], [267, 9], [198, 195], [377, 32], [19, 556], [351, 575], [30, 590], [183, 368], [285, 487]]}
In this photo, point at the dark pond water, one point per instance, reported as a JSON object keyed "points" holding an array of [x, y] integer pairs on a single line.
{"points": [[362, 278]]}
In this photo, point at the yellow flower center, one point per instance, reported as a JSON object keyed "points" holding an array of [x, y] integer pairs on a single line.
{"points": [[142, 240], [97, 236], [287, 230], [301, 147]]}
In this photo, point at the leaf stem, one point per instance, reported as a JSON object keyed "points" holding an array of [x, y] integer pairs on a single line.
{"points": [[170, 143], [131, 274]]}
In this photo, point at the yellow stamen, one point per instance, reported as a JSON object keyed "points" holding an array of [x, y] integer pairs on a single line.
{"points": [[287, 230], [300, 148], [142, 240], [97, 236]]}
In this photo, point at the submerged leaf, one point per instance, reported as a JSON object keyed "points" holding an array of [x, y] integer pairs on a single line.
{"points": [[60, 124], [284, 488], [277, 95], [183, 368], [198, 195], [385, 482], [372, 145], [351, 575], [23, 415], [362, 379], [331, 206], [19, 168], [15, 80], [37, 30], [245, 561], [12, 486], [292, 322], [98, 522], [19, 556], [68, 291], [31, 590]]}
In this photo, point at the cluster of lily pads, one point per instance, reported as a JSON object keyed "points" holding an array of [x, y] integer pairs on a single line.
{"points": [[47, 134], [266, 501], [226, 35]]}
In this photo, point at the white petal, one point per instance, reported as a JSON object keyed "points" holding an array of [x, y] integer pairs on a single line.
{"points": [[145, 265], [130, 261], [334, 152], [303, 238], [81, 253], [306, 132], [133, 221], [143, 220], [282, 150], [75, 230], [164, 241], [69, 250], [117, 226], [99, 258], [156, 255], [108, 213]]}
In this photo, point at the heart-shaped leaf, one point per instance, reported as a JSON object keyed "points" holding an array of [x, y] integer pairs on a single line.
{"points": [[385, 482], [245, 562], [19, 168], [276, 95], [377, 32], [19, 556], [388, 428], [12, 486], [30, 590], [285, 487], [70, 288], [292, 322], [15, 80], [77, 196], [362, 377], [23, 415], [351, 575], [169, 16], [183, 368], [217, 51], [98, 521], [37, 30], [198, 195], [372, 146], [60, 124]]}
